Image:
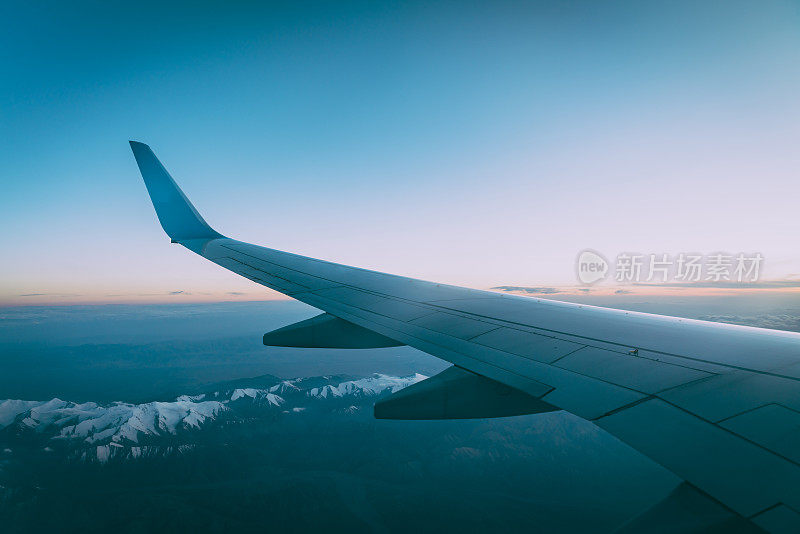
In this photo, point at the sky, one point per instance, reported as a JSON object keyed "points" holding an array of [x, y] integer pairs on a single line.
{"points": [[474, 143]]}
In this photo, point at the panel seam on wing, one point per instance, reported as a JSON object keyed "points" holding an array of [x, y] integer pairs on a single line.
{"points": [[731, 432]]}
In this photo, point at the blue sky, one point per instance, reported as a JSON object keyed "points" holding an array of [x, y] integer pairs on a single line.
{"points": [[474, 143]]}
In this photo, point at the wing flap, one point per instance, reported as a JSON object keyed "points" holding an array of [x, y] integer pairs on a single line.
{"points": [[687, 509], [715, 460]]}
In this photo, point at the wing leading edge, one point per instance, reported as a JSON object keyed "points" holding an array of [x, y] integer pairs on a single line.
{"points": [[718, 405]]}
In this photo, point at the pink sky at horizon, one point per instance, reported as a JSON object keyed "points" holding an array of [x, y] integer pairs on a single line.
{"points": [[479, 146], [258, 294]]}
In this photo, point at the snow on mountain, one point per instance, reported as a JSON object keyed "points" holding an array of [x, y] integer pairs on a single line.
{"points": [[193, 398], [11, 408], [116, 429], [284, 387], [103, 453], [257, 394], [121, 421], [374, 385]]}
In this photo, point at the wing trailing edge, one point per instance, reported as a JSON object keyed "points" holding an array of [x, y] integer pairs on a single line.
{"points": [[687, 509]]}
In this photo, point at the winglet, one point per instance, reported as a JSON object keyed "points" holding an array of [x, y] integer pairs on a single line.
{"points": [[178, 217]]}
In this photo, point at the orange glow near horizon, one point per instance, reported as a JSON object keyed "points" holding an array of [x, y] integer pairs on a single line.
{"points": [[257, 295]]}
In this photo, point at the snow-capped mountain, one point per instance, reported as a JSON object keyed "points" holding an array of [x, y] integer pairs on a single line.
{"points": [[104, 431], [284, 387], [116, 422], [257, 395], [371, 386]]}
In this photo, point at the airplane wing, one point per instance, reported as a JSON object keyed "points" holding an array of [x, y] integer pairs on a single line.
{"points": [[716, 404]]}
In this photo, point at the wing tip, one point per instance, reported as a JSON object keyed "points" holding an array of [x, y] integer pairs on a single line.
{"points": [[135, 144], [178, 217]]}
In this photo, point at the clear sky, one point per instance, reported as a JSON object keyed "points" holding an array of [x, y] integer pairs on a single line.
{"points": [[480, 143]]}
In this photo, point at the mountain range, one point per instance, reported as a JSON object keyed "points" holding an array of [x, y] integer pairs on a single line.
{"points": [[101, 431]]}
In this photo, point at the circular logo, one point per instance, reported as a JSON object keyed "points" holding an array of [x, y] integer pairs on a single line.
{"points": [[591, 267]]}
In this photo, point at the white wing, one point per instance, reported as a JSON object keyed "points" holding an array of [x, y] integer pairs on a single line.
{"points": [[718, 405]]}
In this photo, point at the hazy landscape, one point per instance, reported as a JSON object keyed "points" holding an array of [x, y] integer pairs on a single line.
{"points": [[167, 417]]}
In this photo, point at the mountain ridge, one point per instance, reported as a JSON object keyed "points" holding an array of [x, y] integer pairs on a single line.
{"points": [[136, 430]]}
